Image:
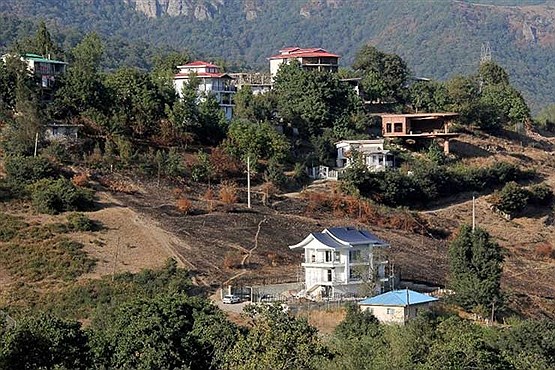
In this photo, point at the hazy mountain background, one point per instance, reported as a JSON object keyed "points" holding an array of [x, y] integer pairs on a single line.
{"points": [[438, 39]]}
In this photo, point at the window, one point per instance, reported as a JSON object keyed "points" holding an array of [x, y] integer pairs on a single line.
{"points": [[388, 127], [355, 274], [329, 275], [328, 256], [398, 127], [336, 256], [390, 311], [355, 255]]}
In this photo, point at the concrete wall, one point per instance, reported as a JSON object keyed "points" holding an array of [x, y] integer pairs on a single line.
{"points": [[395, 314]]}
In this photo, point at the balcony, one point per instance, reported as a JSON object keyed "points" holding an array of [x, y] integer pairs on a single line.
{"points": [[322, 262]]}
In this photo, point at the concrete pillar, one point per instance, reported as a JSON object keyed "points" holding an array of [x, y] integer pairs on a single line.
{"points": [[446, 146]]}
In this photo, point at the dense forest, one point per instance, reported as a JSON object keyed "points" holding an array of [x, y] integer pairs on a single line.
{"points": [[437, 39]]}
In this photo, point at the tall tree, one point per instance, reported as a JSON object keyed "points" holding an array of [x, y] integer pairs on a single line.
{"points": [[82, 86], [136, 102], [44, 342], [276, 340], [384, 76], [170, 331], [475, 270], [310, 100]]}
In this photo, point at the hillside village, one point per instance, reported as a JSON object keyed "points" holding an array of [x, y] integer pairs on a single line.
{"points": [[187, 217]]}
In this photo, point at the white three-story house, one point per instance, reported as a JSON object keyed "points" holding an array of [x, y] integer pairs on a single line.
{"points": [[342, 262]]}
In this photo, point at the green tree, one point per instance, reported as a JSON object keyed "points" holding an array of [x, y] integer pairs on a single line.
{"points": [[81, 86], [171, 331], [463, 345], [44, 342], [428, 96], [136, 103], [546, 118], [384, 76], [276, 340], [310, 100], [511, 199], [491, 73], [257, 140], [475, 263]]}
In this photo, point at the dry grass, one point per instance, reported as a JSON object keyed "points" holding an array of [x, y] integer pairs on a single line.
{"points": [[324, 320], [184, 205], [209, 197], [80, 179], [228, 193]]}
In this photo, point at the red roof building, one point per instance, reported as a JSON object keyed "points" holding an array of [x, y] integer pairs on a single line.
{"points": [[211, 81], [310, 58]]}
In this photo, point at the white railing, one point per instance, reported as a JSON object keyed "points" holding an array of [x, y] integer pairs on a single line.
{"points": [[322, 172]]}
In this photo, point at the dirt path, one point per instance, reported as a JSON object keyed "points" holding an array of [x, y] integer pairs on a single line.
{"points": [[130, 241]]}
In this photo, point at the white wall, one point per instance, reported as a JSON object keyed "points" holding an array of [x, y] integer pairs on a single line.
{"points": [[395, 314]]}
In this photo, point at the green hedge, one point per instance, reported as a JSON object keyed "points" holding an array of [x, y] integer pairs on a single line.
{"points": [[430, 182]]}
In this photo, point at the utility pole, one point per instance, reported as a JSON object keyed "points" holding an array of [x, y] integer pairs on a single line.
{"points": [[249, 181], [36, 143], [473, 212]]}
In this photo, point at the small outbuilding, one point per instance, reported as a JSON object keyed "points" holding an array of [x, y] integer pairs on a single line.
{"points": [[397, 306]]}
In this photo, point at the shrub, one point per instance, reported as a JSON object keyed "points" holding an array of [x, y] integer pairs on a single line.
{"points": [[54, 196], [209, 198], [545, 250], [202, 170], [184, 205], [224, 165], [274, 173], [10, 226], [541, 194], [22, 171], [228, 193], [512, 199], [80, 222], [80, 179]]}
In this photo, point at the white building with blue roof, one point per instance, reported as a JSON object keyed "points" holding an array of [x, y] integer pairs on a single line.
{"points": [[397, 306], [343, 261]]}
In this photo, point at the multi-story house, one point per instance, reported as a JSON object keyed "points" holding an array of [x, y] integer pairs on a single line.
{"points": [[46, 71], [211, 81], [310, 59], [372, 152], [343, 261]]}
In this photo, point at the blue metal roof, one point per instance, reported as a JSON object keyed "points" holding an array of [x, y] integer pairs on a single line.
{"points": [[327, 240], [350, 235], [398, 298]]}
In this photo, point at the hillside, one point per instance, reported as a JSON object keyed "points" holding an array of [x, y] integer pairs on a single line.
{"points": [[437, 39], [143, 228]]}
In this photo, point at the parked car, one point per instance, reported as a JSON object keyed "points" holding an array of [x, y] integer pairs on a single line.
{"points": [[230, 299]]}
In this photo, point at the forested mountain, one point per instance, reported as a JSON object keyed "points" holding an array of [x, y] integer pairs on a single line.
{"points": [[438, 39]]}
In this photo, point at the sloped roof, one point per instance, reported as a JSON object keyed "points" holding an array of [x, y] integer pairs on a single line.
{"points": [[398, 298], [40, 58], [341, 237], [199, 63], [201, 75], [350, 235], [327, 240], [296, 52]]}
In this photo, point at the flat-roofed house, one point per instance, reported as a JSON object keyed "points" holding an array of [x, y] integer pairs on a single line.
{"points": [[340, 261], [375, 157], [416, 126]]}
